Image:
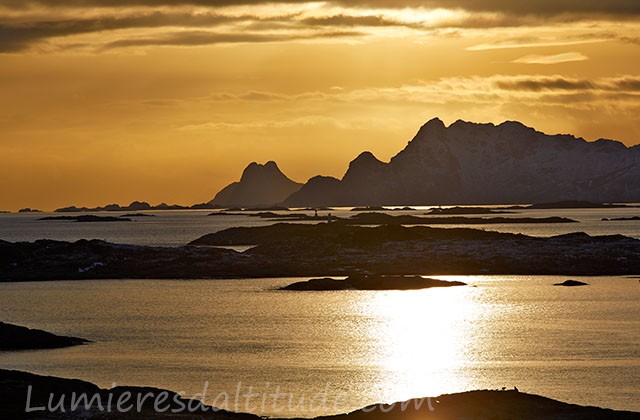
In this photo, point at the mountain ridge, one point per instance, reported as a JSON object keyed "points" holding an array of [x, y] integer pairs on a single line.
{"points": [[483, 163]]}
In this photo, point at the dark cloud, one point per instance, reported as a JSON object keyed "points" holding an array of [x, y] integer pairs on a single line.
{"points": [[199, 38], [536, 7], [542, 83], [16, 35], [347, 20], [628, 85]]}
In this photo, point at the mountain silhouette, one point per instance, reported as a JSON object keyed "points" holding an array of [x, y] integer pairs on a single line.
{"points": [[259, 185], [483, 164]]}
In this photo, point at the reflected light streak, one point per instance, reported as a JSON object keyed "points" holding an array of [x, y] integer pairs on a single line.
{"points": [[424, 340]]}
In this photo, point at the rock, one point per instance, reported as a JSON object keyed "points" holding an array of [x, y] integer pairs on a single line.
{"points": [[137, 215], [571, 283], [14, 337], [466, 210], [88, 218], [622, 219], [29, 210], [386, 219], [333, 249], [371, 282]]}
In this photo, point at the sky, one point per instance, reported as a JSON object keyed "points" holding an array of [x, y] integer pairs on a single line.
{"points": [[168, 100]]}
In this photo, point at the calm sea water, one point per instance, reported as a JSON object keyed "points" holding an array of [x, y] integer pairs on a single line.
{"points": [[173, 228], [331, 352]]}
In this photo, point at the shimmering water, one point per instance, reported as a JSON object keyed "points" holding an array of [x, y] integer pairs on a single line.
{"points": [[340, 350], [173, 228]]}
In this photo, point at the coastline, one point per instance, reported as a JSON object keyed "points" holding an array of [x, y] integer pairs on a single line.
{"points": [[27, 395], [296, 250]]}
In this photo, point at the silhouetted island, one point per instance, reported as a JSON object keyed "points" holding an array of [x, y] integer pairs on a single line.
{"points": [[467, 210], [621, 219], [137, 206], [572, 204], [87, 218], [472, 405], [387, 219], [29, 210], [15, 337], [371, 282], [571, 283], [331, 249]]}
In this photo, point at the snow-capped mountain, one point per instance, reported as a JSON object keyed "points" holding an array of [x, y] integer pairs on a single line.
{"points": [[483, 164]]}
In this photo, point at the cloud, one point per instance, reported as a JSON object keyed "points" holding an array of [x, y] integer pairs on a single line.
{"points": [[306, 121], [534, 42], [199, 38], [551, 59], [29, 24], [535, 7], [542, 83]]}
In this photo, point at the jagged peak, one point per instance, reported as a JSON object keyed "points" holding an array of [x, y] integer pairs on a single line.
{"points": [[254, 168], [366, 157], [433, 123]]}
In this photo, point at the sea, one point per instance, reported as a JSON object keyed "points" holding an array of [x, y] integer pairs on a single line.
{"points": [[246, 346]]}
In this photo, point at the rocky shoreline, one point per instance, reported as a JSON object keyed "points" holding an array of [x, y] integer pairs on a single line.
{"points": [[293, 250], [15, 337], [47, 397]]}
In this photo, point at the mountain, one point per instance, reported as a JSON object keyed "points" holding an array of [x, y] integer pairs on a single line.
{"points": [[259, 185], [469, 163]]}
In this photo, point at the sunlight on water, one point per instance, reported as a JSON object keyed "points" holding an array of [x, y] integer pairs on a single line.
{"points": [[418, 345], [355, 347]]}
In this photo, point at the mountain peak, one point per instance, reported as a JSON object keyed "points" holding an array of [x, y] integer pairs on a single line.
{"points": [[257, 170], [485, 163], [260, 184], [365, 159]]}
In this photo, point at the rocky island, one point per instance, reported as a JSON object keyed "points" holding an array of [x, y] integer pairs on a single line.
{"points": [[371, 282], [15, 337], [331, 249], [88, 218], [571, 283]]}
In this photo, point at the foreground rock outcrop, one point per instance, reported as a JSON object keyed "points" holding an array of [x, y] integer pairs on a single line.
{"points": [[483, 164], [15, 337], [21, 390]]}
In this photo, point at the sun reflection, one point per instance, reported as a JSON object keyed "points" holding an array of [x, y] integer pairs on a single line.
{"points": [[423, 340]]}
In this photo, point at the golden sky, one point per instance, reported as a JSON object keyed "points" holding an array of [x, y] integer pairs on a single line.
{"points": [[168, 100]]}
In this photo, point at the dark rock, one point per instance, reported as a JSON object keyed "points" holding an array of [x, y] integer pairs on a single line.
{"points": [[387, 219], [14, 337], [571, 283], [622, 219], [467, 210], [137, 215], [371, 282], [88, 218], [29, 210]]}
